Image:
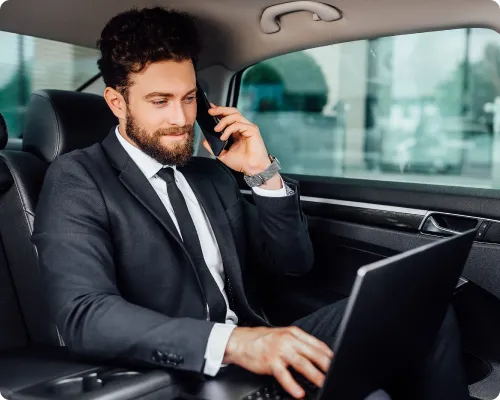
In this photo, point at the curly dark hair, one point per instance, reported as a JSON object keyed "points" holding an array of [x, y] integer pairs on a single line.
{"points": [[133, 39]]}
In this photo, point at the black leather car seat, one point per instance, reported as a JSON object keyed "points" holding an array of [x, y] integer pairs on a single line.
{"points": [[57, 122], [13, 332]]}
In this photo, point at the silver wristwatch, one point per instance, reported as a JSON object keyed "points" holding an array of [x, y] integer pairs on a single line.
{"points": [[264, 176]]}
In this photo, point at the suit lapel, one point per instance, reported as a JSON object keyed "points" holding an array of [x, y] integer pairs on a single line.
{"points": [[137, 184], [141, 189], [209, 200]]}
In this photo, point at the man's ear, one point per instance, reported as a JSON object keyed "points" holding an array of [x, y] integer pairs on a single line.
{"points": [[116, 102]]}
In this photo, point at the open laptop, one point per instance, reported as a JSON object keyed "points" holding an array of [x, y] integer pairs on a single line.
{"points": [[395, 310]]}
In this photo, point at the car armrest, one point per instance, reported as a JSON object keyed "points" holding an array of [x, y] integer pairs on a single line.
{"points": [[53, 373]]}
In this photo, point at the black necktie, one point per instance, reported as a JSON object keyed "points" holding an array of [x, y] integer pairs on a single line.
{"points": [[216, 303]]}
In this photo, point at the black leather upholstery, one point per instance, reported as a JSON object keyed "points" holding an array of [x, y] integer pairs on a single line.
{"points": [[58, 122], [4, 133], [21, 178], [12, 330]]}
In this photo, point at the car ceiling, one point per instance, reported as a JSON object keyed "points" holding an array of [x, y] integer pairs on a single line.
{"points": [[231, 28]]}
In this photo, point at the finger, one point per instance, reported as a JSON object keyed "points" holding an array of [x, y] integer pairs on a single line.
{"points": [[213, 105], [224, 111], [207, 147], [238, 127], [231, 119], [305, 367], [311, 340], [311, 353], [285, 379]]}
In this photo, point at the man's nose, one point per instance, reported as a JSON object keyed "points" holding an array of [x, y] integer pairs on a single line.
{"points": [[177, 117]]}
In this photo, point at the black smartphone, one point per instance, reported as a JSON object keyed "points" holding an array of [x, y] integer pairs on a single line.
{"points": [[208, 122]]}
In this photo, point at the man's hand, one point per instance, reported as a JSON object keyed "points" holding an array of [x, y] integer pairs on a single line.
{"points": [[270, 351], [248, 154]]}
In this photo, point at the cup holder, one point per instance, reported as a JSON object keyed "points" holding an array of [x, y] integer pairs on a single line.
{"points": [[90, 382], [118, 376], [75, 386]]}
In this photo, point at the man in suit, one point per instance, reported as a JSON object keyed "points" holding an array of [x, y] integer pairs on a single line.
{"points": [[147, 253]]}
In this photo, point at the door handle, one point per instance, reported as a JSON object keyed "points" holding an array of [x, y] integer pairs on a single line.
{"points": [[443, 224], [432, 226]]}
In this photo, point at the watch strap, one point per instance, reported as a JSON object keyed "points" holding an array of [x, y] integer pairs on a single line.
{"points": [[264, 176]]}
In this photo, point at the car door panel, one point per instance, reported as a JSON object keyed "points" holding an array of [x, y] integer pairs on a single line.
{"points": [[352, 225]]}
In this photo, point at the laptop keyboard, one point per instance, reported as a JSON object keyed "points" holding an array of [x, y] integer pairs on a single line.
{"points": [[275, 392], [271, 392]]}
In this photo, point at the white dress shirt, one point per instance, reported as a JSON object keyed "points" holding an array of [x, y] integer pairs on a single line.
{"points": [[219, 336]]}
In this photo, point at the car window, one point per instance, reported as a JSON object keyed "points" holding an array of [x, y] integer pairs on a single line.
{"points": [[96, 87], [28, 64], [414, 108]]}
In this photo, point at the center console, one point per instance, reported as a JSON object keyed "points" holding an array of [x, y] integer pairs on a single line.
{"points": [[52, 374]]}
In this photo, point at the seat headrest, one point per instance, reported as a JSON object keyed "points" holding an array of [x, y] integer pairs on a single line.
{"points": [[59, 121], [4, 133]]}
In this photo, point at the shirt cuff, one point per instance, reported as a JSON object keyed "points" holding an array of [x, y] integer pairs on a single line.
{"points": [[284, 191], [216, 347]]}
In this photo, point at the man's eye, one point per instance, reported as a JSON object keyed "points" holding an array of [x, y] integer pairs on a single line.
{"points": [[159, 102], [190, 99]]}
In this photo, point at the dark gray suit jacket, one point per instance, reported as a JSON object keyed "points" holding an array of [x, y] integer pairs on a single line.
{"points": [[118, 279]]}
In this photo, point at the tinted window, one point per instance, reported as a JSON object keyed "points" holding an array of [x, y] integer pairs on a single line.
{"points": [[28, 64], [413, 108]]}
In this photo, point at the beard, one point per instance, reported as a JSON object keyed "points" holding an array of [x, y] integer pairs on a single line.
{"points": [[177, 154]]}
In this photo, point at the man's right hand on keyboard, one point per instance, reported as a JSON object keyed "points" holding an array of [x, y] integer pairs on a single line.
{"points": [[270, 351]]}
